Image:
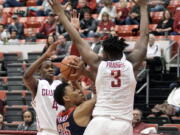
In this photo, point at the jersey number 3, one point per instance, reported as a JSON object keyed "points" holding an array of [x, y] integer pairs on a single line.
{"points": [[116, 75]]}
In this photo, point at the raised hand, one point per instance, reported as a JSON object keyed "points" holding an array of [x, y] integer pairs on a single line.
{"points": [[75, 19], [56, 6], [79, 65], [52, 49]]}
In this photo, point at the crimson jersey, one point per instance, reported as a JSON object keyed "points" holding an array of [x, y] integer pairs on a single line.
{"points": [[66, 124]]}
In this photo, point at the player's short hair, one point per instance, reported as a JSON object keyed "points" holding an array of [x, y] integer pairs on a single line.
{"points": [[60, 92], [114, 46]]}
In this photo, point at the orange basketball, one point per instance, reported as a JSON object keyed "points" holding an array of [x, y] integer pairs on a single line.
{"points": [[68, 71]]}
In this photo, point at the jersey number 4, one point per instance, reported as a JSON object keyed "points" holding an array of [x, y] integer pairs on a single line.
{"points": [[55, 105], [116, 75]]}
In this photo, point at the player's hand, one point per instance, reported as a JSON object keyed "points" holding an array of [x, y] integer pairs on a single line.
{"points": [[52, 49], [75, 17], [66, 5], [56, 6], [79, 65], [140, 2]]}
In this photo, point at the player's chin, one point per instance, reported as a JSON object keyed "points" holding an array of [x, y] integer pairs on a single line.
{"points": [[50, 76]]}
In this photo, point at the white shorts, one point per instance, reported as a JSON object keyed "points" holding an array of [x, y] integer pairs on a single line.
{"points": [[47, 132], [108, 126]]}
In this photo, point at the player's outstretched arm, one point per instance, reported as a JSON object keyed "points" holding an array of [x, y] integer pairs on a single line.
{"points": [[83, 113], [139, 52], [28, 78], [83, 47]]}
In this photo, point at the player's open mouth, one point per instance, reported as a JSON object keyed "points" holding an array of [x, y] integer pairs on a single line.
{"points": [[51, 73]]}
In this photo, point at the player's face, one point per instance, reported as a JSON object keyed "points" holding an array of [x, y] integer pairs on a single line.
{"points": [[27, 117], [75, 96], [47, 70]]}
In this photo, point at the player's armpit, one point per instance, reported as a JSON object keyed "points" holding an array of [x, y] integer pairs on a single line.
{"points": [[83, 113]]}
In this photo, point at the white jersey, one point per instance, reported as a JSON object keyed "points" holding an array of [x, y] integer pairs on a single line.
{"points": [[45, 106], [115, 87]]}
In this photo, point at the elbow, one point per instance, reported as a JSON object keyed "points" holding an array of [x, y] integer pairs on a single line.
{"points": [[26, 76]]}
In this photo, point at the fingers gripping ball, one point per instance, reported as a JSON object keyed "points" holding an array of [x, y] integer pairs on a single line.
{"points": [[67, 70]]}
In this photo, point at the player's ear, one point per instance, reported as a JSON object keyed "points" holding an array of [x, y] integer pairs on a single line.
{"points": [[66, 98]]}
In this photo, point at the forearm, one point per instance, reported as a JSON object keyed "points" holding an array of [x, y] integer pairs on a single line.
{"points": [[89, 74], [140, 49], [144, 30], [144, 33], [167, 29]]}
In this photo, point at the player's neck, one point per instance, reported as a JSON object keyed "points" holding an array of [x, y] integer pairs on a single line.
{"points": [[114, 58], [68, 106], [49, 80]]}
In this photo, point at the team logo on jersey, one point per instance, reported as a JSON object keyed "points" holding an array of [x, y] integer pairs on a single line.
{"points": [[47, 92]]}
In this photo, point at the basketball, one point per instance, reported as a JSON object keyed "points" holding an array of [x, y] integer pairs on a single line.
{"points": [[69, 73]]}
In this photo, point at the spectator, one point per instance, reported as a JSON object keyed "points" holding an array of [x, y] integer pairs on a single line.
{"points": [[16, 25], [111, 10], [39, 2], [158, 5], [122, 13], [4, 35], [2, 125], [48, 27], [88, 25], [51, 39], [176, 25], [13, 40], [31, 36], [99, 6], [2, 104], [154, 55], [106, 26], [61, 50], [163, 109], [92, 5], [60, 28], [74, 3], [165, 26], [174, 96], [97, 45], [140, 127], [175, 84], [134, 16], [28, 124], [13, 3], [82, 7], [3, 16], [45, 9]]}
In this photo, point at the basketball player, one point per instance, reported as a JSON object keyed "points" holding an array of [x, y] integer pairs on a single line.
{"points": [[78, 112], [115, 80], [42, 91]]}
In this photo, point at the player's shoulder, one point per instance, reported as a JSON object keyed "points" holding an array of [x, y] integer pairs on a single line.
{"points": [[56, 82], [66, 112]]}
